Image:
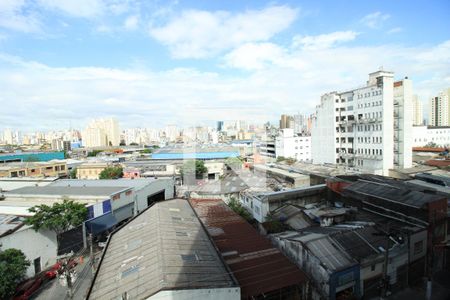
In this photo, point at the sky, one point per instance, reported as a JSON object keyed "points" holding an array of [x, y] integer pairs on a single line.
{"points": [[151, 63]]}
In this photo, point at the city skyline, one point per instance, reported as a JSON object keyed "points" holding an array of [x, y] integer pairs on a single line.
{"points": [[189, 63]]}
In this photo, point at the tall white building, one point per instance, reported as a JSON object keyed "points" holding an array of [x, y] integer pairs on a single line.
{"points": [[102, 133], [417, 111], [368, 128], [288, 144], [439, 109], [8, 137]]}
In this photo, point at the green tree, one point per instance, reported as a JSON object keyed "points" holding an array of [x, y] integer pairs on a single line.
{"points": [[431, 145], [13, 267], [238, 208], [93, 153], [111, 173], [280, 158], [273, 225], [194, 167], [73, 173], [146, 151], [59, 217]]}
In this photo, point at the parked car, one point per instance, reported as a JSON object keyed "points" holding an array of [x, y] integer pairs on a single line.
{"points": [[26, 289]]}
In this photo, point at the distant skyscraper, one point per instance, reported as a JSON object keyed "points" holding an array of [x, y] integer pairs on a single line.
{"points": [[219, 125], [102, 133], [417, 111], [286, 121], [439, 109], [8, 136]]}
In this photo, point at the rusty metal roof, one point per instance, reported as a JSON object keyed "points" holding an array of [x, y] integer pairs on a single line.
{"points": [[256, 264]]}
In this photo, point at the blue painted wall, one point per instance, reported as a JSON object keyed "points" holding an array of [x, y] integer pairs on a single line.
{"points": [[343, 277], [38, 156]]}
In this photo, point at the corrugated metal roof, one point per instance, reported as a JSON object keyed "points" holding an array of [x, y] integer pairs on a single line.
{"points": [[67, 191], [137, 183], [164, 248], [391, 193], [257, 265], [9, 224]]}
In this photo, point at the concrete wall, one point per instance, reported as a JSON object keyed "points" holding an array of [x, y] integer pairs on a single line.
{"points": [[166, 184], [33, 244], [232, 293]]}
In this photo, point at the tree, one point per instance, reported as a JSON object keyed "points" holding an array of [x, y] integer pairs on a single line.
{"points": [[59, 217], [280, 158], [146, 151], [73, 173], [13, 267], [111, 173], [237, 207], [194, 167], [93, 153], [431, 145], [134, 144]]}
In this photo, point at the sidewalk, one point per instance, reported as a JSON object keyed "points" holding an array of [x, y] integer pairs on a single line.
{"points": [[54, 290]]}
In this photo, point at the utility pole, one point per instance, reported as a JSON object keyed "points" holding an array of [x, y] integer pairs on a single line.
{"points": [[91, 252], [385, 280]]}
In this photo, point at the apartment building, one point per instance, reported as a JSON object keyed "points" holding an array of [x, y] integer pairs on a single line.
{"points": [[367, 128], [439, 109], [417, 111], [288, 144], [91, 170], [101, 133]]}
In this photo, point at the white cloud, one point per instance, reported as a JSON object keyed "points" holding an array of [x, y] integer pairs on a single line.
{"points": [[253, 56], [279, 80], [198, 34], [131, 23], [78, 8], [395, 30], [13, 16], [375, 20], [324, 40]]}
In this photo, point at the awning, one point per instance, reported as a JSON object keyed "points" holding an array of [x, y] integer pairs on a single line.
{"points": [[124, 212], [101, 224]]}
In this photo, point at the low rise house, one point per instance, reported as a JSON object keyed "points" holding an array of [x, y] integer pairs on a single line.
{"points": [[34, 169], [334, 273], [163, 253], [91, 170], [260, 204], [40, 248]]}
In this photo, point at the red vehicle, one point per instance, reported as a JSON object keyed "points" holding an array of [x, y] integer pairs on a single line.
{"points": [[27, 288], [56, 268]]}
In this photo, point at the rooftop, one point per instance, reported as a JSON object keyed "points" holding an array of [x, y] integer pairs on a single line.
{"points": [[257, 265], [9, 224], [163, 248], [67, 191], [137, 183], [397, 194]]}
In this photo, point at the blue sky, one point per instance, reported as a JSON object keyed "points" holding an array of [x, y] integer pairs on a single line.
{"points": [[150, 63]]}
